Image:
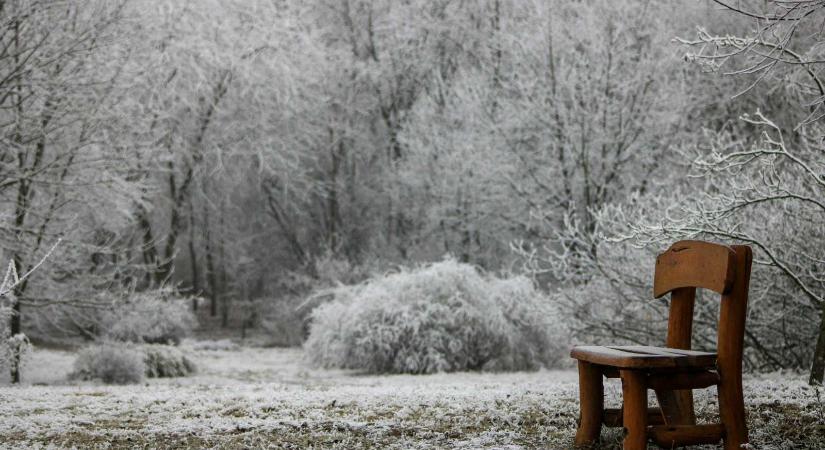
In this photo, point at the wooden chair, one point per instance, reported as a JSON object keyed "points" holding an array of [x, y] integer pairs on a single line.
{"points": [[673, 371]]}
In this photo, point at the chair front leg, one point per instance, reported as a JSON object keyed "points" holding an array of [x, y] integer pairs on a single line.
{"points": [[591, 404], [634, 396]]}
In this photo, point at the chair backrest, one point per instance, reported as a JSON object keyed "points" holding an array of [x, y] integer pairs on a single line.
{"points": [[688, 265]]}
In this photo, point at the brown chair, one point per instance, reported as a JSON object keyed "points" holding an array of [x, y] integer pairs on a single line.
{"points": [[673, 371]]}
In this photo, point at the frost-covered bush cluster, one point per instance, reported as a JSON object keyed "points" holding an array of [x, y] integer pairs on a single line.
{"points": [[110, 363], [152, 316], [155, 317], [438, 318], [164, 361], [120, 363]]}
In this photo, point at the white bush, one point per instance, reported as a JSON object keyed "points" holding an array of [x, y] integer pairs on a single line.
{"points": [[152, 317], [166, 361], [118, 363], [110, 363], [438, 318]]}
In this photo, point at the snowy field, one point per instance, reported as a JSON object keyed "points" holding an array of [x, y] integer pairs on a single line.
{"points": [[270, 398]]}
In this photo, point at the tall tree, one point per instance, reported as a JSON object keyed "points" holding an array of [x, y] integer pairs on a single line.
{"points": [[55, 92], [774, 177]]}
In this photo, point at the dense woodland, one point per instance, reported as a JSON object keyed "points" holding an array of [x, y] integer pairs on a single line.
{"points": [[248, 152]]}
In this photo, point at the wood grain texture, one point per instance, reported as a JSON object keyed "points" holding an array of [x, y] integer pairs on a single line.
{"points": [[673, 436], [591, 409], [694, 264], [680, 318], [730, 344], [682, 381], [634, 417], [613, 417], [677, 405], [642, 357]]}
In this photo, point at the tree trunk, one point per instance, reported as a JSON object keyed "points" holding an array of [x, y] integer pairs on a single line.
{"points": [[463, 224], [193, 258], [150, 253], [225, 311], [15, 329], [818, 366], [225, 300], [282, 219], [21, 209], [336, 153], [211, 273]]}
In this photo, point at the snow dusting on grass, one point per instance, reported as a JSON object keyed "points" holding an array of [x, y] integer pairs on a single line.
{"points": [[259, 398]]}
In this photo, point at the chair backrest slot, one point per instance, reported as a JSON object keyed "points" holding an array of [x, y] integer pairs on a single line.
{"points": [[694, 264]]}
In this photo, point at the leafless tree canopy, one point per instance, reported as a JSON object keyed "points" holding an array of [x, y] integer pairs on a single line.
{"points": [[249, 153]]}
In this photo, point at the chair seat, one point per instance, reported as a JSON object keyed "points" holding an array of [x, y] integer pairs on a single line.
{"points": [[643, 357]]}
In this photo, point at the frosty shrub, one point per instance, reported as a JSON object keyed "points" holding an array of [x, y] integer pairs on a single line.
{"points": [[438, 318], [166, 361], [152, 317], [110, 363]]}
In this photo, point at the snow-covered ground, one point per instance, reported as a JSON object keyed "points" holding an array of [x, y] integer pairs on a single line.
{"points": [[258, 397]]}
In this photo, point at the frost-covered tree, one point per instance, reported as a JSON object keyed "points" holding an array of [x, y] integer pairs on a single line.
{"points": [[57, 89], [768, 189], [560, 108], [756, 180]]}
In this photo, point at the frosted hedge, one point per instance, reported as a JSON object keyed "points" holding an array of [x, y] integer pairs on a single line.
{"points": [[443, 317]]}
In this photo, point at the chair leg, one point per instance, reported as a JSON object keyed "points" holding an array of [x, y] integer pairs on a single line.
{"points": [[634, 393], [591, 399], [732, 412]]}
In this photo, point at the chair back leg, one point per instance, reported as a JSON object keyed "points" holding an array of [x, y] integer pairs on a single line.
{"points": [[732, 412]]}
